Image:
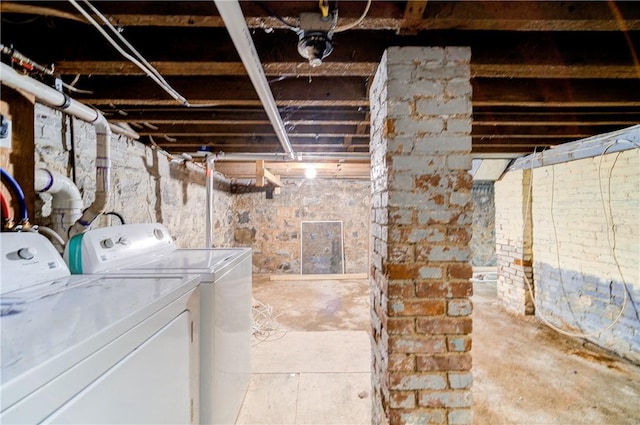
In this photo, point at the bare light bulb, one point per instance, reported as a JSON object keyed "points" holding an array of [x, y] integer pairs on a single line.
{"points": [[310, 172]]}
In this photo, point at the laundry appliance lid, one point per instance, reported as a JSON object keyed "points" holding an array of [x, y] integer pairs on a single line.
{"points": [[48, 328], [205, 262]]}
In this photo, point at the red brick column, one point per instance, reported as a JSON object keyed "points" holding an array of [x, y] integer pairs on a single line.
{"points": [[421, 229]]}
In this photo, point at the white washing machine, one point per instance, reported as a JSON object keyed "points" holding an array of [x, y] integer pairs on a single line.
{"points": [[225, 294], [94, 349]]}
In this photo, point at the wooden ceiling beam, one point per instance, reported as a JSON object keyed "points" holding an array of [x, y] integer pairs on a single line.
{"points": [[521, 92], [549, 71], [482, 15], [182, 115], [339, 69], [344, 91], [242, 128], [506, 130], [243, 170], [166, 68], [220, 91]]}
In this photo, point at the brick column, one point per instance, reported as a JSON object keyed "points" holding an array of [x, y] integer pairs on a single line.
{"points": [[421, 228], [514, 249]]}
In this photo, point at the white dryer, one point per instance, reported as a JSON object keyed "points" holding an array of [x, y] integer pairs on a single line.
{"points": [[225, 294], [94, 349]]}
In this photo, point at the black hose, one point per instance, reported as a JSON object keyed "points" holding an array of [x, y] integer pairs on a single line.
{"points": [[272, 13], [117, 215]]}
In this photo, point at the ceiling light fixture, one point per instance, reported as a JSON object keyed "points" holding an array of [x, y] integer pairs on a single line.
{"points": [[315, 31], [310, 172], [314, 36]]}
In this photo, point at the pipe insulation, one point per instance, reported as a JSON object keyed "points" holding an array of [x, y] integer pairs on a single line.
{"points": [[66, 203], [52, 97], [233, 18]]}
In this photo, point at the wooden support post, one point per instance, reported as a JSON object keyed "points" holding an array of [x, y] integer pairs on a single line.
{"points": [[260, 178], [263, 176]]}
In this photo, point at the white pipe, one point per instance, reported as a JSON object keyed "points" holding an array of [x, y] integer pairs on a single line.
{"points": [[103, 173], [54, 98], [277, 157], [209, 209], [52, 235], [66, 203], [233, 18]]}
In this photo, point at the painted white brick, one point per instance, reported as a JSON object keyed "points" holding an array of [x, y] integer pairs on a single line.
{"points": [[576, 193]]}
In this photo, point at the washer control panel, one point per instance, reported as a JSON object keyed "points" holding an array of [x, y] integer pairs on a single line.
{"points": [[27, 259], [110, 248]]}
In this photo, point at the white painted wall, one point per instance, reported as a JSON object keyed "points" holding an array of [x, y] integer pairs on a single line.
{"points": [[585, 253]]}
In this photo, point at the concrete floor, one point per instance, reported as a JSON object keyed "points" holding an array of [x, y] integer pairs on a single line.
{"points": [[311, 363]]}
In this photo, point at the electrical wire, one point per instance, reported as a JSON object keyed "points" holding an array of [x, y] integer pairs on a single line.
{"points": [[117, 215], [356, 22], [273, 15], [265, 326], [75, 90], [125, 42], [324, 7], [48, 232], [150, 71], [610, 236]]}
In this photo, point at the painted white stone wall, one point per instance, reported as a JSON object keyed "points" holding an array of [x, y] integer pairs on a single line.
{"points": [[146, 185]]}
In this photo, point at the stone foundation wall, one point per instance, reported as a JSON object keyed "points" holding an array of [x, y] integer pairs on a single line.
{"points": [[272, 226], [483, 241], [146, 185]]}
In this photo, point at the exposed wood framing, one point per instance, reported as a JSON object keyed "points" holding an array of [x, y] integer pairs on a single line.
{"points": [[263, 176]]}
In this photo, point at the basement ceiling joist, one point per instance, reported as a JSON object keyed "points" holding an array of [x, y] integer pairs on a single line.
{"points": [[543, 72], [527, 16]]}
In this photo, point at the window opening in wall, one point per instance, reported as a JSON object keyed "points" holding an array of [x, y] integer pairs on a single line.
{"points": [[321, 247]]}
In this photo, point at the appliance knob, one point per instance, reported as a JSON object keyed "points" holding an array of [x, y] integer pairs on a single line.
{"points": [[123, 241], [158, 234], [27, 253], [107, 243]]}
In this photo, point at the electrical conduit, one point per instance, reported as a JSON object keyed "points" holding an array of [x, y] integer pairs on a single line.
{"points": [[66, 203]]}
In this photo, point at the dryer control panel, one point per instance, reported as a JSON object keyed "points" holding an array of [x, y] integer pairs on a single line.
{"points": [[27, 259], [99, 250]]}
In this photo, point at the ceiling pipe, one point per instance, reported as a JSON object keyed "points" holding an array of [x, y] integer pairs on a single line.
{"points": [[52, 97], [234, 20], [277, 157]]}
